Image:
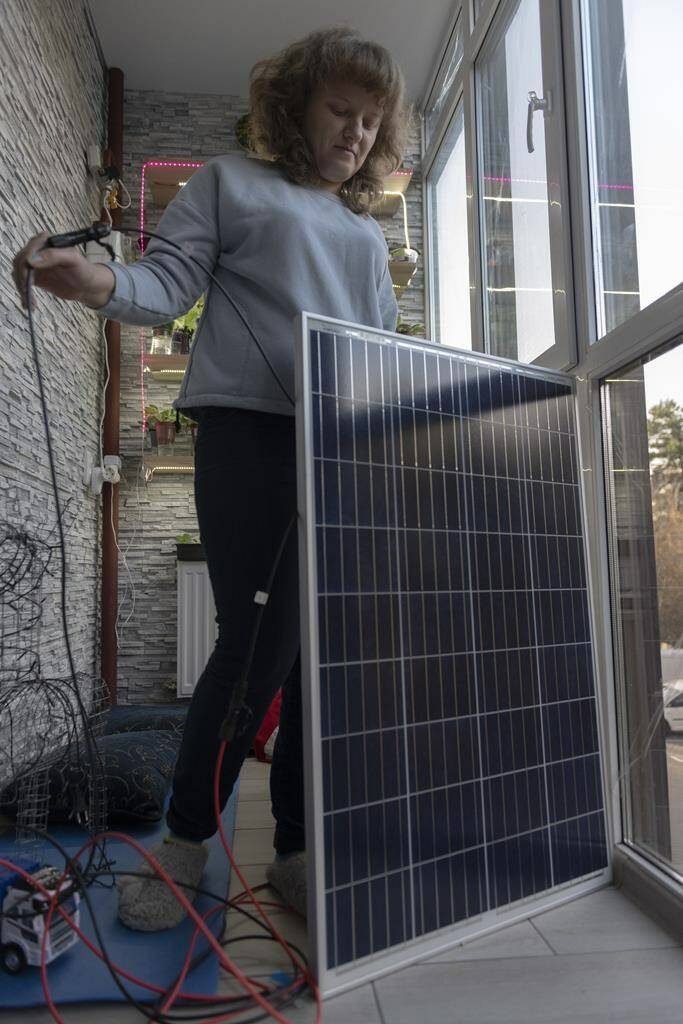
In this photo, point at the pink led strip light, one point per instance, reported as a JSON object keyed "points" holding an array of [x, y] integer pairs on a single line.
{"points": [[151, 163]]}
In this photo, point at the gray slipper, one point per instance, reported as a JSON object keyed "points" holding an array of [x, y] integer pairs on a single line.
{"points": [[287, 876], [147, 905]]}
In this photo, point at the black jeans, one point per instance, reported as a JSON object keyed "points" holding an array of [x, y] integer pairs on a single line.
{"points": [[245, 492]]}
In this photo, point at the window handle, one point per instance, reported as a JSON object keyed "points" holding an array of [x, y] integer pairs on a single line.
{"points": [[534, 104]]}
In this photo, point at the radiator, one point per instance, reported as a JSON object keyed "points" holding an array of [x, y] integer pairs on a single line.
{"points": [[197, 628]]}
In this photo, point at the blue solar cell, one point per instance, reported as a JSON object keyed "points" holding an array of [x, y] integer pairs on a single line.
{"points": [[460, 765]]}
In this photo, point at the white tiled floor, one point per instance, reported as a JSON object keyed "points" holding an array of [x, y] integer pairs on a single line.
{"points": [[596, 960]]}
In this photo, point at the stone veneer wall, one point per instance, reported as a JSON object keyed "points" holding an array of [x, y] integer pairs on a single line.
{"points": [[194, 127], [52, 105]]}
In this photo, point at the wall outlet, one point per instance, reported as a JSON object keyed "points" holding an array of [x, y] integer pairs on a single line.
{"points": [[96, 253], [94, 157]]}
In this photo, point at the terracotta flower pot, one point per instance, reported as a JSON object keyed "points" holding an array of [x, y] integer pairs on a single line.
{"points": [[165, 433]]}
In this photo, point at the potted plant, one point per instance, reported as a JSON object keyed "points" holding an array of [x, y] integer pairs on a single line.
{"points": [[161, 343], [162, 422], [414, 330], [184, 327], [151, 420], [403, 254], [187, 424], [189, 548]]}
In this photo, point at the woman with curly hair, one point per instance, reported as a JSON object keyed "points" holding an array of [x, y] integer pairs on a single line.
{"points": [[285, 229]]}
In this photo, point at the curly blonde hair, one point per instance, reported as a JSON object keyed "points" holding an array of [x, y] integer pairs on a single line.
{"points": [[280, 87]]}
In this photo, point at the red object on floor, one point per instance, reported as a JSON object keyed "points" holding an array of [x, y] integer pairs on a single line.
{"points": [[265, 737]]}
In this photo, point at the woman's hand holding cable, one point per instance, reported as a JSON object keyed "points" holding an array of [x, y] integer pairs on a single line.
{"points": [[65, 273]]}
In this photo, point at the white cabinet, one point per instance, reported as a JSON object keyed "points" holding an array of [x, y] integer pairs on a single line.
{"points": [[197, 629]]}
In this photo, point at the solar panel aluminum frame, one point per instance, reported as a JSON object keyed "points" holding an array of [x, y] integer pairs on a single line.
{"points": [[334, 981]]}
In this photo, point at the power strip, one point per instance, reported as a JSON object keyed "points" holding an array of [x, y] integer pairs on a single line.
{"points": [[94, 477]]}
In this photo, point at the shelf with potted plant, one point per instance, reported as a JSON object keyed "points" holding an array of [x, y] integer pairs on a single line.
{"points": [[161, 424], [402, 266], [170, 345], [395, 186], [412, 330]]}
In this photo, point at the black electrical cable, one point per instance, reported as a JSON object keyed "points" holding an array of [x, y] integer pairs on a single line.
{"points": [[72, 869], [93, 756], [98, 232], [231, 725]]}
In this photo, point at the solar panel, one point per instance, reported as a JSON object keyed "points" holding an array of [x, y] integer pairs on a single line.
{"points": [[453, 767]]}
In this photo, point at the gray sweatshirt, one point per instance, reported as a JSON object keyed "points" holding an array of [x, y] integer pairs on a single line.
{"points": [[277, 248]]}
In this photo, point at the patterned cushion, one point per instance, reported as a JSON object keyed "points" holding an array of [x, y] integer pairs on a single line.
{"points": [[137, 766], [143, 717]]}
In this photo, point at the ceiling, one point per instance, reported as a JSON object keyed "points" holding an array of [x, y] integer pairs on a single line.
{"points": [[209, 46]]}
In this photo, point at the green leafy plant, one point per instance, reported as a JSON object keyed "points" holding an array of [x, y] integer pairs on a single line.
{"points": [[186, 423], [186, 538], [404, 254], [414, 330], [154, 415], [188, 321]]}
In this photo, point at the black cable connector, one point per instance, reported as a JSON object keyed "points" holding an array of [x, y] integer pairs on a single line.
{"points": [[236, 721], [90, 234]]}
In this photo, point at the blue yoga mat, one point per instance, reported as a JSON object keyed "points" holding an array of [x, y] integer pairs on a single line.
{"points": [[79, 976]]}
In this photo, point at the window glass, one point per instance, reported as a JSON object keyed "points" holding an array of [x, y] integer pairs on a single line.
{"points": [[449, 252], [444, 82], [513, 189], [643, 429], [633, 88]]}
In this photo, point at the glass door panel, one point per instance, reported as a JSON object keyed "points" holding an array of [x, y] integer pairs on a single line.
{"points": [[525, 262], [643, 433]]}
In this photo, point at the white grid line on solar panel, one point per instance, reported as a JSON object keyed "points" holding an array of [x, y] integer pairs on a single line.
{"points": [[567, 553], [403, 677], [389, 404], [540, 766], [361, 623], [333, 931], [443, 590], [336, 466], [416, 718], [441, 529], [565, 611], [487, 880], [571, 612], [402, 436], [468, 428], [455, 471], [525, 454], [447, 654], [436, 720], [461, 851]]}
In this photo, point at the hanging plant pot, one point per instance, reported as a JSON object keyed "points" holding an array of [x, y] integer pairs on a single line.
{"points": [[165, 433]]}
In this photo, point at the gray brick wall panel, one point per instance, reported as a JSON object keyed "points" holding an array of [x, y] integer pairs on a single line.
{"points": [[52, 104]]}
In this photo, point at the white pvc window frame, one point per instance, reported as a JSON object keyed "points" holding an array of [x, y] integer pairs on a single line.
{"points": [[562, 354], [592, 360]]}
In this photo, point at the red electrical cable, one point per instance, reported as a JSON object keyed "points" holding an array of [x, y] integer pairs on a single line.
{"points": [[250, 985], [188, 996], [276, 934], [223, 958]]}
